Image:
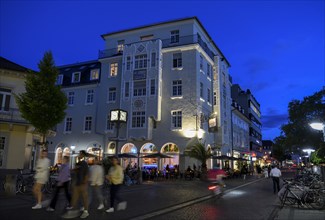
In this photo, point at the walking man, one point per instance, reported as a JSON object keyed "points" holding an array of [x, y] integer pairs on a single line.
{"points": [[41, 177], [275, 174], [80, 188], [116, 177], [96, 179], [63, 181]]}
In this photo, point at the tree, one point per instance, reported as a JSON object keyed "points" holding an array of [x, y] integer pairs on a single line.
{"points": [[297, 133], [43, 104], [199, 152]]}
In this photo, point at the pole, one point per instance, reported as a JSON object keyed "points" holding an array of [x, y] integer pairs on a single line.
{"points": [[117, 137]]}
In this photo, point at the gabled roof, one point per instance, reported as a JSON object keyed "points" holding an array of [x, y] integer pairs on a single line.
{"points": [[8, 65]]}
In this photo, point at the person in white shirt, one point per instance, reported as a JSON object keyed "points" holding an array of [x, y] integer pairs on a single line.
{"points": [[96, 180], [275, 174], [41, 177]]}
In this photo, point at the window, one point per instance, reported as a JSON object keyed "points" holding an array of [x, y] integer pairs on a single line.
{"points": [[140, 61], [88, 121], [111, 95], [176, 119], [94, 74], [177, 60], [128, 63], [177, 88], [208, 95], [70, 98], [5, 95], [76, 77], [174, 36], [201, 90], [208, 70], [214, 98], [68, 124], [147, 37], [139, 88], [90, 96], [120, 46], [138, 119], [109, 124], [59, 79], [114, 68], [201, 62], [152, 87], [153, 59], [2, 150], [127, 89]]}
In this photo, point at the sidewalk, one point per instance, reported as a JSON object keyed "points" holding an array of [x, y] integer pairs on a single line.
{"points": [[288, 213]]}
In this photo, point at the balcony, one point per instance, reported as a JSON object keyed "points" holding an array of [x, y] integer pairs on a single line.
{"points": [[12, 116], [166, 43]]}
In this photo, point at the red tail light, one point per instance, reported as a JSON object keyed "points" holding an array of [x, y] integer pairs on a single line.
{"points": [[212, 187]]}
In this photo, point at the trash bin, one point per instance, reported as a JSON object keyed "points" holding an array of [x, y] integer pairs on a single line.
{"points": [[10, 184]]}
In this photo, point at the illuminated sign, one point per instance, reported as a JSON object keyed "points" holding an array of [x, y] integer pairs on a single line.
{"points": [[213, 124]]}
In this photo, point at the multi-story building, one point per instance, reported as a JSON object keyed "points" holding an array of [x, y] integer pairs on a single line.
{"points": [[252, 111], [172, 80], [17, 140], [240, 131], [267, 151]]}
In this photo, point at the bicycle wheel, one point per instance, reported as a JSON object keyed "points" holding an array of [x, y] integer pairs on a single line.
{"points": [[315, 200], [19, 186]]}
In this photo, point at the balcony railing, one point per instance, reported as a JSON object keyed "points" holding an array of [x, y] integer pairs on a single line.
{"points": [[12, 115], [185, 40]]}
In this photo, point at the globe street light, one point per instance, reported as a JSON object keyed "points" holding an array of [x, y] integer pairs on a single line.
{"points": [[318, 126]]}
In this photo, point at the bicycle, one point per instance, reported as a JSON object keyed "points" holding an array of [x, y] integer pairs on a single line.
{"points": [[293, 193]]}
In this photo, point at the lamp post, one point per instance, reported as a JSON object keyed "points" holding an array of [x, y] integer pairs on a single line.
{"points": [[318, 126], [71, 155], [118, 116]]}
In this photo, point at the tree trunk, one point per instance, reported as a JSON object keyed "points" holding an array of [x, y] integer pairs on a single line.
{"points": [[204, 172]]}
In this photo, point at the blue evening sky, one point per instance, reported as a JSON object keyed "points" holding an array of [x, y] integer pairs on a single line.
{"points": [[276, 48]]}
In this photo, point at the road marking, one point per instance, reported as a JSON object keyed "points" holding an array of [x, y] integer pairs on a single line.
{"points": [[188, 203]]}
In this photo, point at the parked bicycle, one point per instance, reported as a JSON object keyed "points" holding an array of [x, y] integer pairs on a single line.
{"points": [[294, 193]]}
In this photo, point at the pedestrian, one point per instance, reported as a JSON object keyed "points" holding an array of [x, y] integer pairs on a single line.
{"points": [[244, 171], [80, 187], [63, 181], [116, 177], [269, 171], [96, 179], [265, 171], [41, 177], [275, 174]]}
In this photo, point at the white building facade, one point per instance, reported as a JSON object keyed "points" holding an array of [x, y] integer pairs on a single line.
{"points": [[172, 80]]}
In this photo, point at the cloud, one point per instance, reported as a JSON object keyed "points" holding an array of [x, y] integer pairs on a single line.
{"points": [[270, 121]]}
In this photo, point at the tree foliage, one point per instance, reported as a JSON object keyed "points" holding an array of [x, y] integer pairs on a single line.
{"points": [[43, 104], [297, 133]]}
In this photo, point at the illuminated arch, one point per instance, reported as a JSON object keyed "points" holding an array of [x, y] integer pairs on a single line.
{"points": [[129, 148], [172, 150], [148, 148], [111, 147]]}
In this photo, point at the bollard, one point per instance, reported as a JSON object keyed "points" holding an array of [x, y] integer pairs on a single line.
{"points": [[10, 185]]}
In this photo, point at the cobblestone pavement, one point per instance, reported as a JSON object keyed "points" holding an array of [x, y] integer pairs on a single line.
{"points": [[179, 199]]}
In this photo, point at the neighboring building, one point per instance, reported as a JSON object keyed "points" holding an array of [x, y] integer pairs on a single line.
{"points": [[267, 151], [16, 134], [252, 111], [240, 131], [172, 80]]}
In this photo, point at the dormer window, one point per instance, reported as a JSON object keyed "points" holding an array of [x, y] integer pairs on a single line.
{"points": [[174, 36], [120, 46], [94, 74], [76, 77], [59, 80]]}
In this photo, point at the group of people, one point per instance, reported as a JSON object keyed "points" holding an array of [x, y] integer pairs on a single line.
{"points": [[84, 182]]}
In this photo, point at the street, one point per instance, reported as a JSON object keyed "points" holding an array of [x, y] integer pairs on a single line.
{"points": [[179, 199]]}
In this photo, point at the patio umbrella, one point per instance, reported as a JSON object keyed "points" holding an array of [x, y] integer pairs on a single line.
{"points": [[242, 159], [126, 155], [156, 155]]}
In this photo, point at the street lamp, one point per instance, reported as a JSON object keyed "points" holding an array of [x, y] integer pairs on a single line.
{"points": [[308, 151], [71, 155], [118, 116], [318, 126]]}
